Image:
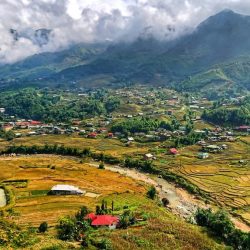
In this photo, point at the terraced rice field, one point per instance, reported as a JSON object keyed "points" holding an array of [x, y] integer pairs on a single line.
{"points": [[37, 177], [109, 146], [225, 176]]}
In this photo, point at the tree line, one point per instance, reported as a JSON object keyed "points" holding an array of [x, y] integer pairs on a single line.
{"points": [[60, 150]]}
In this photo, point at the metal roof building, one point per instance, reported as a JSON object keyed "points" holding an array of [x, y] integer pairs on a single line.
{"points": [[66, 190]]}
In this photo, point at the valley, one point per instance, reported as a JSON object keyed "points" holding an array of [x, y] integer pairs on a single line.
{"points": [[143, 136], [125, 126]]}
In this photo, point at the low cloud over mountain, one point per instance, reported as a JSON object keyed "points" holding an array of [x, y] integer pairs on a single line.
{"points": [[75, 21]]}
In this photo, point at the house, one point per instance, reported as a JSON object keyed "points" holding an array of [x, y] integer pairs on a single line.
{"points": [[201, 143], [76, 122], [103, 220], [212, 148], [173, 151], [22, 124], [32, 133], [102, 130], [92, 135], [130, 139], [7, 127], [66, 190], [148, 157], [243, 128], [203, 155], [2, 110], [110, 135], [18, 135], [35, 123]]}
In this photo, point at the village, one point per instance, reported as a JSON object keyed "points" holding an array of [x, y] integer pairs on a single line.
{"points": [[181, 116], [138, 141]]}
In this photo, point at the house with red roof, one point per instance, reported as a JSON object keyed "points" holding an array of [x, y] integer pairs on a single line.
{"points": [[92, 135], [22, 124], [243, 128], [103, 220], [35, 123], [110, 135], [173, 151]]}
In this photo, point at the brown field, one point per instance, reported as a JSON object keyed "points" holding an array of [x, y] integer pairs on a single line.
{"points": [[160, 231], [32, 203], [108, 146]]}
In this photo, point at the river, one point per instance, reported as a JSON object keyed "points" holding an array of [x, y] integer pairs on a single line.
{"points": [[3, 201], [181, 202]]}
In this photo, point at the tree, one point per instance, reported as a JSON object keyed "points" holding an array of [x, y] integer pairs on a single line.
{"points": [[101, 166], [43, 227], [165, 202], [98, 210], [80, 215], [126, 219], [152, 193], [67, 229], [112, 104]]}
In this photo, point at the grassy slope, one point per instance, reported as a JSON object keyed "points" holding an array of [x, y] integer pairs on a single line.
{"points": [[161, 231]]}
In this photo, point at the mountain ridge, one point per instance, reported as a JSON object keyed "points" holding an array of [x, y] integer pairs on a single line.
{"points": [[218, 43]]}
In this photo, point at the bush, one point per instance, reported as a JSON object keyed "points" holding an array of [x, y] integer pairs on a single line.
{"points": [[43, 227], [67, 229], [103, 244], [101, 166], [151, 193]]}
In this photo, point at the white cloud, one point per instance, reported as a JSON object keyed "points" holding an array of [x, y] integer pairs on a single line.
{"points": [[74, 21]]}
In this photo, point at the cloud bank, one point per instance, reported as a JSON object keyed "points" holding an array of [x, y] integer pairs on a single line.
{"points": [[88, 21]]}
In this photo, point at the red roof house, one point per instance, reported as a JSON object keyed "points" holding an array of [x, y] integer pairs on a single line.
{"points": [[110, 135], [35, 123], [103, 220], [92, 135], [22, 124], [173, 151], [90, 216], [243, 128]]}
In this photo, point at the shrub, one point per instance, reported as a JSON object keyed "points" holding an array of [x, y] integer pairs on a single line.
{"points": [[66, 229], [101, 166], [43, 227], [151, 193]]}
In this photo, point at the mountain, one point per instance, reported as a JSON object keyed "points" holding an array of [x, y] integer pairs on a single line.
{"points": [[45, 65], [217, 52]]}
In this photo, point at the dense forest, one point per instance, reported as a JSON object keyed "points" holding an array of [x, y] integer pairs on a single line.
{"points": [[46, 106]]}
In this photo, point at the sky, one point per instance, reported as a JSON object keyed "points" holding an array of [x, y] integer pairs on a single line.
{"points": [[89, 21]]}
